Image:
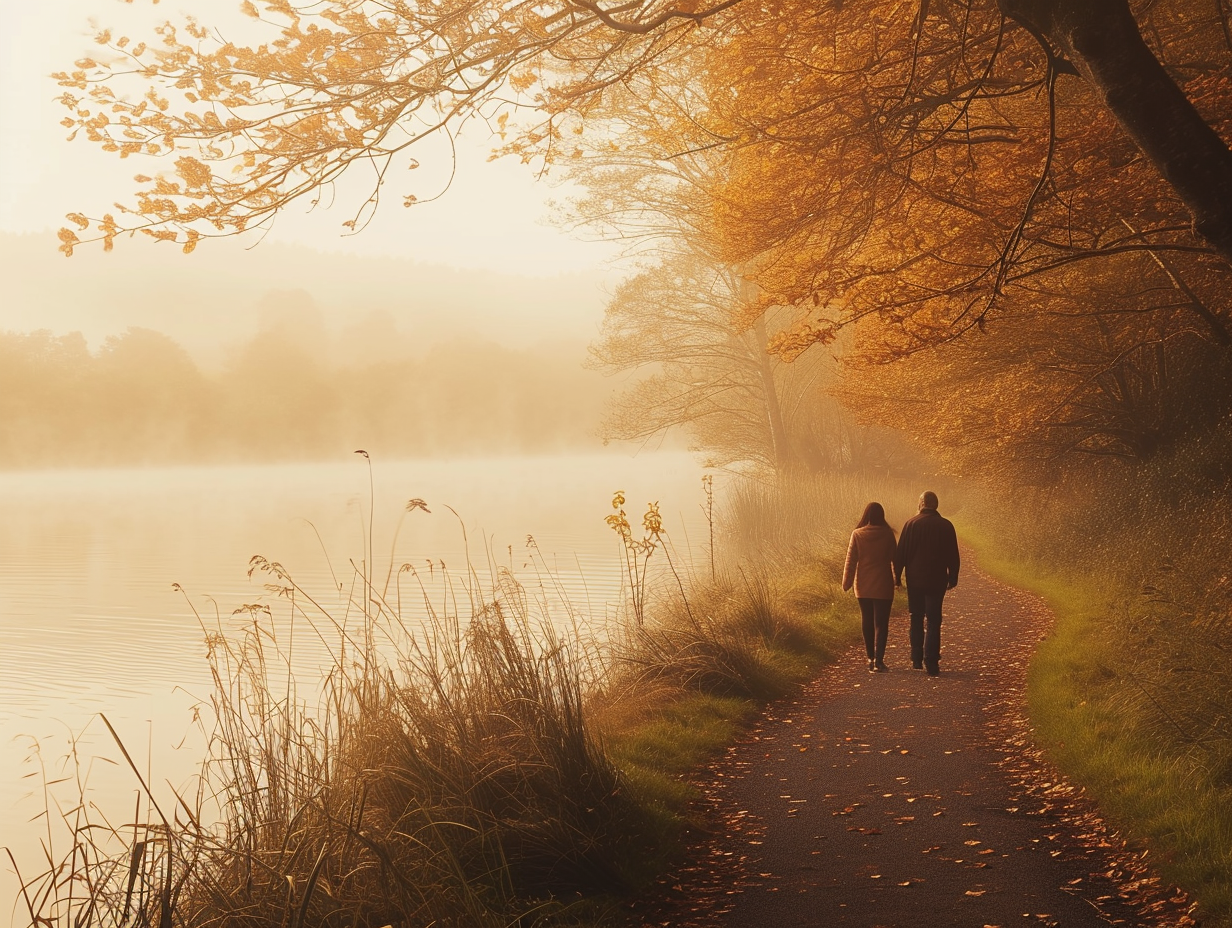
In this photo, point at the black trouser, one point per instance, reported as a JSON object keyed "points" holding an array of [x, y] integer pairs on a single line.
{"points": [[925, 609], [876, 613]]}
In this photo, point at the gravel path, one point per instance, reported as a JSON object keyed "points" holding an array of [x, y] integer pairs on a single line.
{"points": [[899, 799]]}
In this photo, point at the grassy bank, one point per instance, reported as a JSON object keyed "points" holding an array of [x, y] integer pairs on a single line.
{"points": [[463, 763], [1126, 697]]}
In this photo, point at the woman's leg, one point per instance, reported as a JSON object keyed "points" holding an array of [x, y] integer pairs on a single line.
{"points": [[881, 622], [868, 625]]}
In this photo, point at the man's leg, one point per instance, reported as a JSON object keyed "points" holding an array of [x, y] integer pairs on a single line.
{"points": [[915, 606], [932, 632]]}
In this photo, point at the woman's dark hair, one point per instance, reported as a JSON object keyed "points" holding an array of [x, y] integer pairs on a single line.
{"points": [[874, 514]]}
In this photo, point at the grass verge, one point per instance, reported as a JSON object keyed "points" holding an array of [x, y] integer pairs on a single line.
{"points": [[1095, 710], [689, 686]]}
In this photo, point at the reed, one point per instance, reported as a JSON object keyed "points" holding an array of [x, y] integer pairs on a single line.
{"points": [[445, 776], [462, 763], [800, 514]]}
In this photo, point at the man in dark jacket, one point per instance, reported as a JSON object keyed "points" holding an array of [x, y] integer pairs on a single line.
{"points": [[928, 551]]}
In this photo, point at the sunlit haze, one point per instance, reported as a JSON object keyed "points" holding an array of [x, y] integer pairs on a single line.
{"points": [[493, 462], [494, 217]]}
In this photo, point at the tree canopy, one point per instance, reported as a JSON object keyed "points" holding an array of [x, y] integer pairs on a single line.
{"points": [[912, 171], [937, 125]]}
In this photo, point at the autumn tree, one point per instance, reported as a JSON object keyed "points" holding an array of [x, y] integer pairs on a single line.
{"points": [[677, 324], [1055, 383], [928, 168], [356, 84]]}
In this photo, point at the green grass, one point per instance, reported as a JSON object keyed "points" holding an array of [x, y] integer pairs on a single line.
{"points": [[1086, 702], [691, 684]]}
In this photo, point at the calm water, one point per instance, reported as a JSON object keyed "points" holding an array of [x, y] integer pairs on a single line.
{"points": [[91, 624]]}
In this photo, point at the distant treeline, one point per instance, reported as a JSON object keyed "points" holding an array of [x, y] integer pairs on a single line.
{"points": [[141, 398]]}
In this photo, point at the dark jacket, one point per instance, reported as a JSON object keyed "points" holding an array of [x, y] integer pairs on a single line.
{"points": [[928, 549]]}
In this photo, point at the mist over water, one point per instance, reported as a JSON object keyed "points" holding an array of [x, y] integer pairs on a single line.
{"points": [[92, 623]]}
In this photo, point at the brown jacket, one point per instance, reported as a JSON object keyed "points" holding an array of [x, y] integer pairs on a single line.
{"points": [[928, 550], [870, 562]]}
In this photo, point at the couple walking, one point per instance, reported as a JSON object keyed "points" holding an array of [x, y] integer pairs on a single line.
{"points": [[927, 551]]}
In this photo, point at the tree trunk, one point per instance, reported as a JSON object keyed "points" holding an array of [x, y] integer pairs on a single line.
{"points": [[1102, 40], [781, 447]]}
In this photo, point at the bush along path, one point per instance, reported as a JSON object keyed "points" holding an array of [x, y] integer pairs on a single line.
{"points": [[898, 799]]}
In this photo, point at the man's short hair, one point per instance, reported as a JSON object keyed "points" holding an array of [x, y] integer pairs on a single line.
{"points": [[928, 499]]}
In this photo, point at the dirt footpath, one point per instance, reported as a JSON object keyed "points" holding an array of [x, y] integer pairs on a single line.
{"points": [[899, 799]]}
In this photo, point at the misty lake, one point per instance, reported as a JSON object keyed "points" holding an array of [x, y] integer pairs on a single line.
{"points": [[92, 624]]}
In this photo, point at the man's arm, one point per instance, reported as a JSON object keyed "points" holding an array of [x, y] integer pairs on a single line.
{"points": [[952, 567]]}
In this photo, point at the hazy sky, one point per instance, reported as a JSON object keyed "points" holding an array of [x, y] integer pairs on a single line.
{"points": [[492, 218]]}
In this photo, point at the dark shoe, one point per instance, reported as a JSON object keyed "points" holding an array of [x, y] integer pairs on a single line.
{"points": [[933, 670], [881, 668], [872, 666], [917, 665]]}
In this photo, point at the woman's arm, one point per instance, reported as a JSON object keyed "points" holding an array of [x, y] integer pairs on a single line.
{"points": [[849, 566]]}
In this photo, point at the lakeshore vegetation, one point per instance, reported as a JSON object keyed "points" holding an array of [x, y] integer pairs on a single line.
{"points": [[467, 763]]}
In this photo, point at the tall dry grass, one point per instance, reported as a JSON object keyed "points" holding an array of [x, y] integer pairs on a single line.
{"points": [[445, 776], [803, 514], [461, 761]]}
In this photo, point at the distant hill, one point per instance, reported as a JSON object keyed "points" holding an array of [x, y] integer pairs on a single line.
{"points": [[222, 294]]}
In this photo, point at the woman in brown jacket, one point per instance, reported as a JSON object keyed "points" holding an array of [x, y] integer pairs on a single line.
{"points": [[870, 568]]}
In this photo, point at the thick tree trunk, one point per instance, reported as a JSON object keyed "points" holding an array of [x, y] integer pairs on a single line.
{"points": [[1102, 40]]}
